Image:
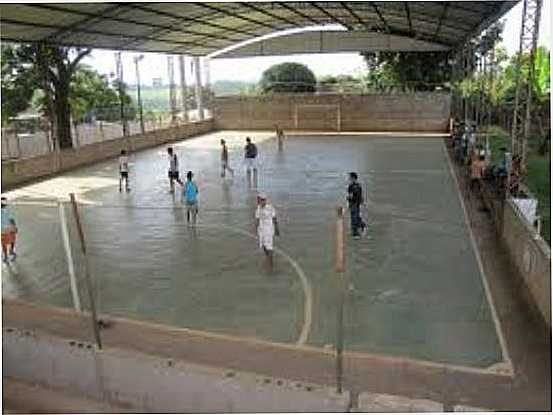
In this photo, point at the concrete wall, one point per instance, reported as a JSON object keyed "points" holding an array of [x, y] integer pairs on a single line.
{"points": [[154, 384], [16, 172], [531, 256], [422, 112]]}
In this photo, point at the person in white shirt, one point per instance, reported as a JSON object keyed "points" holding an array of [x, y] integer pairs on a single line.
{"points": [[173, 170], [266, 227], [124, 171]]}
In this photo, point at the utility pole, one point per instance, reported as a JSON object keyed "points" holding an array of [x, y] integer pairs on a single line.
{"points": [[139, 97]]}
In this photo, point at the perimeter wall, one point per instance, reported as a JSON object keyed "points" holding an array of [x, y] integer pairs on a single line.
{"points": [[420, 112], [20, 171]]}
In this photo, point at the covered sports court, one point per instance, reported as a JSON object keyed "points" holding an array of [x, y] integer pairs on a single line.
{"points": [[429, 309], [415, 286]]}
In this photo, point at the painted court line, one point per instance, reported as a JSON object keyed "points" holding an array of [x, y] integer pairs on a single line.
{"points": [[497, 323], [307, 289]]}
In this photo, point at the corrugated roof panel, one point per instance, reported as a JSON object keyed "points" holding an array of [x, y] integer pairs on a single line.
{"points": [[201, 24], [24, 33]]}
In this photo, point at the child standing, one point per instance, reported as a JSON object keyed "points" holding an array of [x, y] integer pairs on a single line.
{"points": [[9, 231], [190, 198], [124, 170], [266, 227], [224, 160], [173, 170]]}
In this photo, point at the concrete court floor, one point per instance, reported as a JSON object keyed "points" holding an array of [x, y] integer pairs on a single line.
{"points": [[414, 289]]}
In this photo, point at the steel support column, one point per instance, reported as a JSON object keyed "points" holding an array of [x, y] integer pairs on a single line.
{"points": [[172, 89], [524, 77], [198, 87], [183, 89], [121, 90]]}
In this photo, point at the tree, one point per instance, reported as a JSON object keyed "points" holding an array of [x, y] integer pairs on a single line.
{"points": [[50, 68], [288, 77], [18, 84]]}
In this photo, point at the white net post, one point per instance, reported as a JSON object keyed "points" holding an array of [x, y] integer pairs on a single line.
{"points": [[69, 257]]}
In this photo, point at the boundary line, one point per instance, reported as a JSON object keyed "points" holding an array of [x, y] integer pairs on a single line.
{"points": [[307, 289], [497, 323]]}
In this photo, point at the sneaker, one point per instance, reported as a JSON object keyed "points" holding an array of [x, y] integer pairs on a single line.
{"points": [[356, 237], [13, 256], [4, 259]]}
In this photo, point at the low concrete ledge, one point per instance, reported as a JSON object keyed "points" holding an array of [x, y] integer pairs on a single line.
{"points": [[155, 384], [21, 171], [377, 402]]}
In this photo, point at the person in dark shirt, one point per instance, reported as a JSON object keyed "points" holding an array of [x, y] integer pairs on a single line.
{"points": [[250, 158], [355, 200]]}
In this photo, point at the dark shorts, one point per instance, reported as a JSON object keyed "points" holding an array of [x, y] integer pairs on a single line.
{"points": [[173, 175], [124, 174]]}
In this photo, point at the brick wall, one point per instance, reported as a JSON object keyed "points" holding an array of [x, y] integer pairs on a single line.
{"points": [[423, 112], [17, 172]]}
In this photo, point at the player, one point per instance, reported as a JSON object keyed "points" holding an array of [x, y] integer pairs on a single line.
{"points": [[124, 171], [266, 225], [173, 170], [9, 232], [224, 160], [280, 137], [190, 198], [250, 158], [355, 200]]}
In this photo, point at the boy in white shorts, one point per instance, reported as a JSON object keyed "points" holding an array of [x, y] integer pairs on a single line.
{"points": [[266, 225]]}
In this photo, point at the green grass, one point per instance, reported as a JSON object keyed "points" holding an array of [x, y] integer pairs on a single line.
{"points": [[538, 177]]}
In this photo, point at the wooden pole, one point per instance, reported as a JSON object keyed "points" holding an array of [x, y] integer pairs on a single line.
{"points": [[87, 272], [340, 269], [69, 256]]}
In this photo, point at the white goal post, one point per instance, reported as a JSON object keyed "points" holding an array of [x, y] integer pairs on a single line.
{"points": [[330, 115]]}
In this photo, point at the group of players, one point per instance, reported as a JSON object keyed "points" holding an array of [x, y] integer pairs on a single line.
{"points": [[266, 219]]}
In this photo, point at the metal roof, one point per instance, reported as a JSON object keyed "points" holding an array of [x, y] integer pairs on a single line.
{"points": [[203, 28]]}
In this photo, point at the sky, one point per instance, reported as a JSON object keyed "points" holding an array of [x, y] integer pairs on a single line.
{"points": [[250, 69]]}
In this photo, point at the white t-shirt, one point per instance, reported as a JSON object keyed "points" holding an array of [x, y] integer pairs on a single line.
{"points": [[173, 163], [265, 216], [124, 164]]}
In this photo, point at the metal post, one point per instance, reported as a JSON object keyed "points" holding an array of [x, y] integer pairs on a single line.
{"points": [[172, 89], [198, 85], [139, 97], [87, 272], [69, 256], [207, 81], [120, 87], [340, 268], [183, 89], [523, 97]]}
